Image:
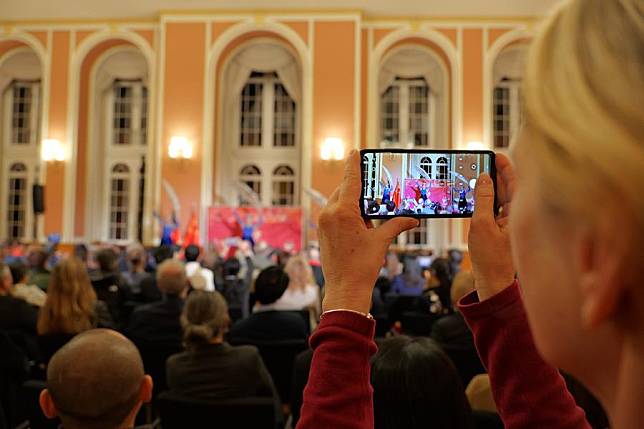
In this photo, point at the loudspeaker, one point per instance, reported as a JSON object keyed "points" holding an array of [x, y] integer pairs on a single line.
{"points": [[38, 193]]}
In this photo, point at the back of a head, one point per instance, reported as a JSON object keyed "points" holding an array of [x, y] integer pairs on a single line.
{"points": [[586, 129], [135, 254], [231, 267], [440, 268], [18, 271], [70, 304], [81, 252], [270, 285], [204, 316], [299, 272], [462, 284], [37, 257], [412, 271], [107, 260], [163, 253], [171, 277], [95, 379], [191, 253], [416, 386]]}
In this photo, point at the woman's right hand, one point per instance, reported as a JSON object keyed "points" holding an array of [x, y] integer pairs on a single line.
{"points": [[489, 239]]}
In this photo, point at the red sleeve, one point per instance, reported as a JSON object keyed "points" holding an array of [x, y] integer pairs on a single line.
{"points": [[339, 394], [529, 393]]}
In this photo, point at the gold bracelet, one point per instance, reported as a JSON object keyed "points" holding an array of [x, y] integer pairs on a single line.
{"points": [[367, 315]]}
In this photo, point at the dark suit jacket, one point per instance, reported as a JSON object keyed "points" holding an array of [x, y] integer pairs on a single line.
{"points": [[456, 339], [270, 325], [219, 371], [157, 323], [17, 315]]}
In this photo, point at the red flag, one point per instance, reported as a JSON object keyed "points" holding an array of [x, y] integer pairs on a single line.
{"points": [[192, 231]]}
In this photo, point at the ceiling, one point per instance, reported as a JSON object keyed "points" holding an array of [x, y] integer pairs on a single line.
{"points": [[16, 10]]}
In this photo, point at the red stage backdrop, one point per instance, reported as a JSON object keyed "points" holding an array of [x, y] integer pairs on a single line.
{"points": [[437, 190], [281, 227]]}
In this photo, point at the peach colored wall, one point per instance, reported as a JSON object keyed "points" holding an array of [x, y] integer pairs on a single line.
{"points": [[218, 28], [450, 33], [495, 33], [82, 35], [58, 103], [379, 34], [333, 92], [148, 35], [364, 83], [41, 36], [301, 28], [472, 85], [183, 111], [9, 45], [83, 132]]}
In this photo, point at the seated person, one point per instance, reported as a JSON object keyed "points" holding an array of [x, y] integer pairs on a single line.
{"points": [[416, 386], [15, 313], [32, 294], [210, 368], [411, 281], [193, 267], [453, 334], [96, 381], [302, 292], [108, 283], [266, 323], [71, 307], [158, 323], [135, 274], [37, 259]]}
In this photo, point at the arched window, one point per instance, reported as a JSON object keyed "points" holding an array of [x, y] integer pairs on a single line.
{"points": [[283, 186], [411, 85], [251, 175], [261, 123], [120, 202], [506, 96], [426, 165], [20, 122], [118, 149], [442, 166]]}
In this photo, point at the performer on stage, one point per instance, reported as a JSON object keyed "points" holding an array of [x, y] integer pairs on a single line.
{"points": [[169, 230], [248, 227]]}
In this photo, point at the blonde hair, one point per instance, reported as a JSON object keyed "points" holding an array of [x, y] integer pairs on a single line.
{"points": [[71, 300], [204, 316], [299, 273], [583, 93]]}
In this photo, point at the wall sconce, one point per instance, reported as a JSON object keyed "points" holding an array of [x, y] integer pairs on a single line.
{"points": [[332, 148], [52, 150], [475, 145], [179, 148]]}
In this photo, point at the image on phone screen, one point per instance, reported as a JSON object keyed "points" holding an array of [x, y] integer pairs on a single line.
{"points": [[424, 184]]}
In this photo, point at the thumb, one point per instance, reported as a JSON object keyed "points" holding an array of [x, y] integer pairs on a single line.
{"points": [[390, 229], [484, 199]]}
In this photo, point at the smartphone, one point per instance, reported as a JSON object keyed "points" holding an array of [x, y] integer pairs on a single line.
{"points": [[422, 183]]}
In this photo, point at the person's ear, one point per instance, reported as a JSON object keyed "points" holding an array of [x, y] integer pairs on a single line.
{"points": [[47, 404], [602, 286], [146, 389]]}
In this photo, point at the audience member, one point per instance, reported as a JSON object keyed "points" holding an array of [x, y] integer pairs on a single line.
{"points": [[416, 386], [236, 290], [135, 274], [266, 323], [37, 259], [302, 291], [210, 368], [194, 268], [149, 291], [71, 307], [32, 294], [392, 266], [316, 266], [81, 252], [15, 314], [440, 281], [96, 381], [410, 282], [453, 334], [107, 282], [158, 323]]}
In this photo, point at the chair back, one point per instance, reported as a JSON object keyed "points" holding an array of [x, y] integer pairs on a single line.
{"points": [[30, 394], [154, 356], [279, 358], [179, 412]]}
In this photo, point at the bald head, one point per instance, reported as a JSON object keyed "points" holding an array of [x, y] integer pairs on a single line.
{"points": [[95, 381], [171, 277]]}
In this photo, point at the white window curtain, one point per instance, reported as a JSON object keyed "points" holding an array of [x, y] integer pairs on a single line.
{"points": [[416, 62]]}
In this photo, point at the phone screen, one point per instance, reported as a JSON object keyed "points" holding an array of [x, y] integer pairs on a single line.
{"points": [[421, 183]]}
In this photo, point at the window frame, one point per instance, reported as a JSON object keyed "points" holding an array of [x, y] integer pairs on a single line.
{"points": [[514, 116], [403, 87]]}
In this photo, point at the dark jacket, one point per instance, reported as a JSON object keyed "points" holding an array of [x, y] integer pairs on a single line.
{"points": [[270, 325], [219, 371], [157, 323], [17, 315], [109, 289]]}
